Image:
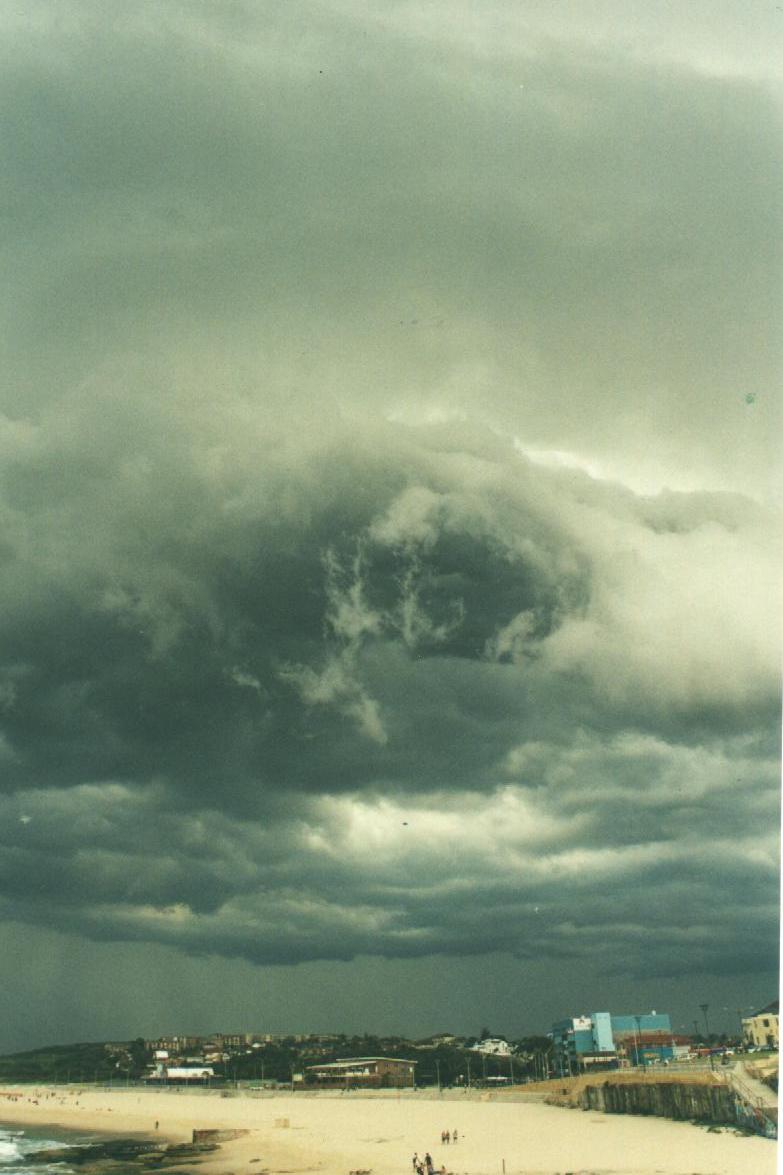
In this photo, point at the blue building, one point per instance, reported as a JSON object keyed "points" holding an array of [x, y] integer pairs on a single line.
{"points": [[607, 1041]]}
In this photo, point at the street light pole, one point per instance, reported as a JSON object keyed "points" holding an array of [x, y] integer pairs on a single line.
{"points": [[639, 1026], [704, 1008]]}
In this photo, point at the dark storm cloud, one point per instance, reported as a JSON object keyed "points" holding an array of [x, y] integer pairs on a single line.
{"points": [[508, 653], [345, 607]]}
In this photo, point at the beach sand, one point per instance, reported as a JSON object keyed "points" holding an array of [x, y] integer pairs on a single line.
{"points": [[336, 1135]]}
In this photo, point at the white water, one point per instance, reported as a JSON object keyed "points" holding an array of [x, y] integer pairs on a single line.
{"points": [[15, 1145]]}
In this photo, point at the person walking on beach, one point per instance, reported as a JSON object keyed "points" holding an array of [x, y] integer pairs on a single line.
{"points": [[454, 1134], [428, 1162], [446, 1137], [416, 1163]]}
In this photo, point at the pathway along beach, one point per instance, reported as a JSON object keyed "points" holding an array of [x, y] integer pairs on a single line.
{"points": [[339, 1134]]}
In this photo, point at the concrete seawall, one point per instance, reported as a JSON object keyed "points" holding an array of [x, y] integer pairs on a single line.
{"points": [[681, 1101], [678, 1100]]}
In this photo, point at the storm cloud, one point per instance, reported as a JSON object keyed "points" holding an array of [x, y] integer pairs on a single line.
{"points": [[390, 539]]}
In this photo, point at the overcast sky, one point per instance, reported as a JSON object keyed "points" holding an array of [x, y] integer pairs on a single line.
{"points": [[390, 491]]}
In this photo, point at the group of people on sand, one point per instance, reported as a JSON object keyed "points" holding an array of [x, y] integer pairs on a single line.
{"points": [[425, 1166]]}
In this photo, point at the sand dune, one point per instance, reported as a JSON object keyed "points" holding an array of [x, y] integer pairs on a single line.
{"points": [[341, 1134]]}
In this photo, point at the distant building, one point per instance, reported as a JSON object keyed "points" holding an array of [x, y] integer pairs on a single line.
{"points": [[197, 1075], [371, 1072], [762, 1030], [232, 1040], [492, 1046], [605, 1041], [172, 1044]]}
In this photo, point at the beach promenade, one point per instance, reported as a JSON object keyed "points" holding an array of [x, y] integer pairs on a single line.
{"points": [[338, 1134]]}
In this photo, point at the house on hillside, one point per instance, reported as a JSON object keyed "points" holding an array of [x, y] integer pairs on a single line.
{"points": [[492, 1046]]}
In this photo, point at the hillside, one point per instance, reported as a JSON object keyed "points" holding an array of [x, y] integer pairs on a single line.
{"points": [[87, 1061]]}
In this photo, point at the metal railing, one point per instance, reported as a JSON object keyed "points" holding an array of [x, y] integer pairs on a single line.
{"points": [[763, 1113], [748, 1092]]}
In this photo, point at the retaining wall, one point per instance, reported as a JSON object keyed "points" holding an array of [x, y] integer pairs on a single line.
{"points": [[678, 1100], [682, 1101]]}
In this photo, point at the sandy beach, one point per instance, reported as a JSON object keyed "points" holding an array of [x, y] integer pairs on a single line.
{"points": [[341, 1134]]}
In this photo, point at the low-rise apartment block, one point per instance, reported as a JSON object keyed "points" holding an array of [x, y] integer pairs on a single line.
{"points": [[606, 1041]]}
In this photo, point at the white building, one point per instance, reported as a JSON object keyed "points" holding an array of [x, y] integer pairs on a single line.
{"points": [[762, 1030], [181, 1073], [493, 1046]]}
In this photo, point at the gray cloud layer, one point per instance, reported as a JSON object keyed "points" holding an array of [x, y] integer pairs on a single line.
{"points": [[388, 557]]}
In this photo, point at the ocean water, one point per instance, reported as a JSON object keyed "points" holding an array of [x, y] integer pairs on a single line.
{"points": [[16, 1144]]}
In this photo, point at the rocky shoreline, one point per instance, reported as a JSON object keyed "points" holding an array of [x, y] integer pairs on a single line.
{"points": [[129, 1154]]}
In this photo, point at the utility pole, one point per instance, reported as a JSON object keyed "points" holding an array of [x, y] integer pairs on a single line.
{"points": [[437, 1071]]}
